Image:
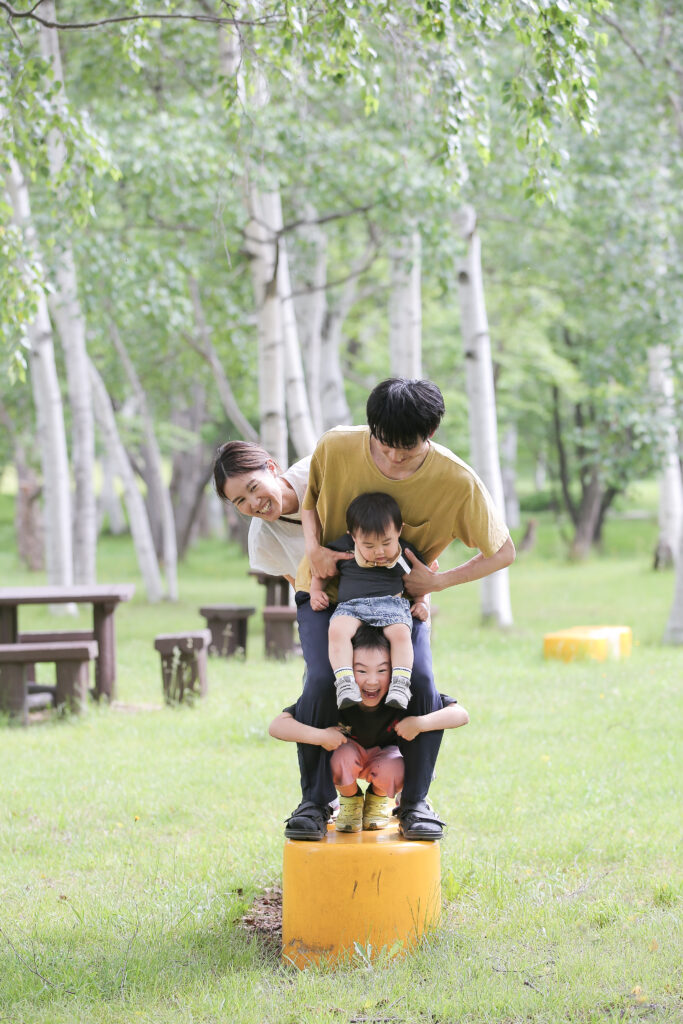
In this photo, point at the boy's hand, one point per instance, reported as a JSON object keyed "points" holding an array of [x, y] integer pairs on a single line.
{"points": [[408, 728], [332, 738], [319, 600], [420, 610]]}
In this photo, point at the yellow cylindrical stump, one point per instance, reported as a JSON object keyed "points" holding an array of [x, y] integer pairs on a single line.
{"points": [[596, 642], [370, 888]]}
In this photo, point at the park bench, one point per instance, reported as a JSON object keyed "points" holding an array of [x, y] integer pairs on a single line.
{"points": [[71, 658], [227, 624], [183, 664], [278, 623]]}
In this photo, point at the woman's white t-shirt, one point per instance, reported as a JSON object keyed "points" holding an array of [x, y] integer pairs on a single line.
{"points": [[277, 548]]}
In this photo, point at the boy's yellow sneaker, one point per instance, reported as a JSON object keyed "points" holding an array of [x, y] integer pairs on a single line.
{"points": [[350, 817], [376, 811]]}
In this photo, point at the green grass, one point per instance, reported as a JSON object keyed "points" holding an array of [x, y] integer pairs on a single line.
{"points": [[132, 842]]}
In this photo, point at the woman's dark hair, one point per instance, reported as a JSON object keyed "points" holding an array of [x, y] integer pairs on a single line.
{"points": [[373, 513], [236, 457], [369, 637], [401, 412]]}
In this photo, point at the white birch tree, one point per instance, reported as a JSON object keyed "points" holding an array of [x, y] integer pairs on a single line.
{"points": [[670, 481], [68, 316], [405, 308], [495, 589], [137, 513], [48, 403], [154, 467]]}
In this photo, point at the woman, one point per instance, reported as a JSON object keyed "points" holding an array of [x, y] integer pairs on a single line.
{"points": [[246, 475]]}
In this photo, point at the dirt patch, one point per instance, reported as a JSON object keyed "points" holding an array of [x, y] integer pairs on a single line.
{"points": [[264, 919]]}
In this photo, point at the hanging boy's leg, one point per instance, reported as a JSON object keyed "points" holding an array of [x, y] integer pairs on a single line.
{"points": [[416, 819], [316, 706]]}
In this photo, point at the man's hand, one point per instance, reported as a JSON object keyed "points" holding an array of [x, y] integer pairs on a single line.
{"points": [[324, 561], [422, 579], [319, 600], [408, 728], [420, 610], [332, 738]]}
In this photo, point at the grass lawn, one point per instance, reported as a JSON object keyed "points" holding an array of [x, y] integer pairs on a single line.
{"points": [[134, 839]]}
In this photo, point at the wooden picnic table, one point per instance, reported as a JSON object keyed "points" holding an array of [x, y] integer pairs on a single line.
{"points": [[104, 598], [277, 587]]}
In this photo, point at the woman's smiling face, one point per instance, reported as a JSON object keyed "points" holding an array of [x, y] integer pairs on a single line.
{"points": [[256, 493]]}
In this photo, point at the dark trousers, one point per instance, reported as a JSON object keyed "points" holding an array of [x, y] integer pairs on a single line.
{"points": [[317, 706]]}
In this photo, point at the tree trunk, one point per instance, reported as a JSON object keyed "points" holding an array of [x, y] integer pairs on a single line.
{"points": [[405, 309], [310, 308], [670, 481], [155, 478], [68, 316], [137, 513], [673, 634], [482, 405], [333, 396], [509, 473], [588, 516], [51, 436], [192, 469], [208, 352], [110, 503]]}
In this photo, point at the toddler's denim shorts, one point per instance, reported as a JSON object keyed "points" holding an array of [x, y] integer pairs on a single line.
{"points": [[377, 611]]}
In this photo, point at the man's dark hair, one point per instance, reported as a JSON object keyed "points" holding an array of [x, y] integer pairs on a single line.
{"points": [[401, 412], [370, 637], [373, 513]]}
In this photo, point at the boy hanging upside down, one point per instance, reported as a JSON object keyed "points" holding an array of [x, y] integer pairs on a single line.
{"points": [[367, 742]]}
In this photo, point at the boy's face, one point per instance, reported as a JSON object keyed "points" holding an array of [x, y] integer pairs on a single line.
{"points": [[378, 548], [372, 671]]}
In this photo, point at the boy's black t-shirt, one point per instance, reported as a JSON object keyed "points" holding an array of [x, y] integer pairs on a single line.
{"points": [[373, 727], [373, 581]]}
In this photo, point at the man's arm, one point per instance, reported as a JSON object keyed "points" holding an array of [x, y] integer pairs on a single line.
{"points": [[423, 580], [450, 717], [286, 727]]}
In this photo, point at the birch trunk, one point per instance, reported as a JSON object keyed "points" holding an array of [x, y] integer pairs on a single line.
{"points": [[673, 634], [509, 473], [310, 313], [68, 316], [208, 352], [137, 513], [333, 396], [495, 591], [405, 309], [670, 481], [48, 402], [192, 467], [110, 503], [154, 467]]}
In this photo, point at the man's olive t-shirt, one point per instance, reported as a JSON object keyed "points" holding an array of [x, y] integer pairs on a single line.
{"points": [[443, 500]]}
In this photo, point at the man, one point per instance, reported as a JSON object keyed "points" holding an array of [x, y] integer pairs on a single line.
{"points": [[441, 499]]}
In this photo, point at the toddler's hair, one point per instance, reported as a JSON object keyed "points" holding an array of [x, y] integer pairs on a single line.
{"points": [[372, 513], [368, 637]]}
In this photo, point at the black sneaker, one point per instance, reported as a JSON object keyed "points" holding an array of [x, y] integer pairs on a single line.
{"points": [[308, 821]]}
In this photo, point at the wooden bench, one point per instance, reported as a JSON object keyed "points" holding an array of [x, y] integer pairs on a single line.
{"points": [[228, 626], [278, 623], [183, 665], [71, 657]]}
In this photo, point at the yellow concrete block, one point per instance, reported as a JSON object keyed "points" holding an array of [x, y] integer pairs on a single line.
{"points": [[370, 888], [596, 642]]}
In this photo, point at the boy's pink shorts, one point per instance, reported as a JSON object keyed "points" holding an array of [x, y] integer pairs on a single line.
{"points": [[383, 766]]}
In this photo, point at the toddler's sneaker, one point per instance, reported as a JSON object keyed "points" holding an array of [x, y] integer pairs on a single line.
{"points": [[350, 817], [348, 692], [398, 694], [376, 811]]}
